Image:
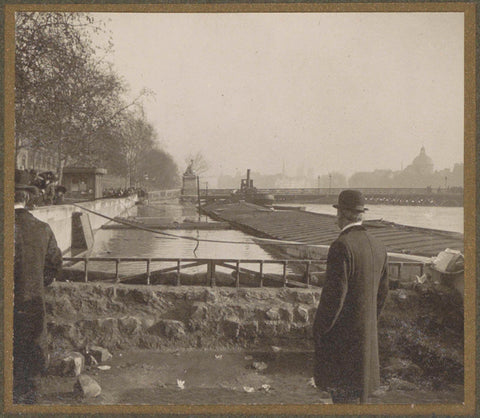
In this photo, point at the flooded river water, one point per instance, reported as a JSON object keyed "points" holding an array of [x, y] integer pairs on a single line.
{"points": [[443, 218], [230, 244]]}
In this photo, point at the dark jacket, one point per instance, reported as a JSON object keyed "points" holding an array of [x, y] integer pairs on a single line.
{"points": [[37, 261], [345, 326]]}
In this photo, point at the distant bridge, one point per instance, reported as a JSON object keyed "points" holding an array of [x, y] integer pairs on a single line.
{"points": [[388, 196]]}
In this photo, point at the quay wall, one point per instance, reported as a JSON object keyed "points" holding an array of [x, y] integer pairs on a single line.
{"points": [[155, 195], [59, 217]]}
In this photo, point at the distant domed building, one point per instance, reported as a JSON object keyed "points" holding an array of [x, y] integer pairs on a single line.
{"points": [[422, 164]]}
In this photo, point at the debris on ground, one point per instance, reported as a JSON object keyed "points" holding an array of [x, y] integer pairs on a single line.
{"points": [[99, 353], [399, 384], [248, 389], [181, 384], [90, 360], [218, 356], [311, 382], [104, 367], [72, 364], [266, 387], [248, 358], [259, 365], [87, 387]]}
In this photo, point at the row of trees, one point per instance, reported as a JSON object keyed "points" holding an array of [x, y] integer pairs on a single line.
{"points": [[69, 101]]}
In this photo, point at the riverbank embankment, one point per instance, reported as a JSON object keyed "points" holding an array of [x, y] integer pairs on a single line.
{"points": [[421, 329], [63, 218]]}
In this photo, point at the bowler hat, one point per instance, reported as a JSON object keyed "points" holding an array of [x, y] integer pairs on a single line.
{"points": [[22, 182], [351, 199]]}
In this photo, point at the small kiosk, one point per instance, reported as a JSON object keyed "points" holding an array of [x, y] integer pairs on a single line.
{"points": [[83, 182]]}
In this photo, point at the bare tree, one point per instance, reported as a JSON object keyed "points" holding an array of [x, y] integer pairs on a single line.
{"points": [[199, 164]]}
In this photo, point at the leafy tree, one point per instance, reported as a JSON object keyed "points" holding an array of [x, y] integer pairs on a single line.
{"points": [[159, 170], [67, 96]]}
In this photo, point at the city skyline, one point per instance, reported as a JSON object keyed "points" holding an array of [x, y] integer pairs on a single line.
{"points": [[420, 172], [340, 91]]}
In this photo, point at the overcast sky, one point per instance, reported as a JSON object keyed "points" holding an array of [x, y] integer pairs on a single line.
{"points": [[331, 92]]}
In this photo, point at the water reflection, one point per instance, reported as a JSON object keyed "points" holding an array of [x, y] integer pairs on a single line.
{"points": [[117, 243], [435, 217]]}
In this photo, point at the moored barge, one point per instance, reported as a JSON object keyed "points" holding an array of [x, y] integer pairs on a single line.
{"points": [[317, 231]]}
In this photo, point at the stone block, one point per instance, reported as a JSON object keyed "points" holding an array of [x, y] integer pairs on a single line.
{"points": [[273, 314], [129, 325], [105, 329], [283, 328], [99, 353], [210, 295], [199, 312], [231, 328], [249, 330], [87, 387], [269, 328], [301, 314], [306, 297], [169, 328], [66, 332], [147, 322], [72, 364], [286, 313], [301, 330]]}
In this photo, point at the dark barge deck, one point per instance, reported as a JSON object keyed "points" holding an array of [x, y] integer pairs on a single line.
{"points": [[320, 229]]}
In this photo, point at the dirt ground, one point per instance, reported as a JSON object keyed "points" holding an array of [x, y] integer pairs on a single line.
{"points": [[142, 377]]}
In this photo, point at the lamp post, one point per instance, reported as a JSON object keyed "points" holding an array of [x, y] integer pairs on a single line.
{"points": [[318, 184], [446, 178], [329, 183]]}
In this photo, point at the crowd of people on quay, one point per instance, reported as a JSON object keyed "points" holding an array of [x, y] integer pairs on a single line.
{"points": [[46, 189], [121, 192]]}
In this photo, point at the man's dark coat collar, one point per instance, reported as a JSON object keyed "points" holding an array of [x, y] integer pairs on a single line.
{"points": [[353, 228]]}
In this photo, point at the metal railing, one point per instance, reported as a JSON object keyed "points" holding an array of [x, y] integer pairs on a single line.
{"points": [[309, 269]]}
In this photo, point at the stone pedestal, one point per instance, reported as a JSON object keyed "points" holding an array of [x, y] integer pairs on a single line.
{"points": [[189, 187]]}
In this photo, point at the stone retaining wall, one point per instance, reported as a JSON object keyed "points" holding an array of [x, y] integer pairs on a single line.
{"points": [[185, 316], [422, 327], [59, 217]]}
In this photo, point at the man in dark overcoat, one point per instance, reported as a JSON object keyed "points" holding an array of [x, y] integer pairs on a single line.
{"points": [[345, 327], [37, 261]]}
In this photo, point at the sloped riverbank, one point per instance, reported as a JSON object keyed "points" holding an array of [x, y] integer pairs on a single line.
{"points": [[421, 334]]}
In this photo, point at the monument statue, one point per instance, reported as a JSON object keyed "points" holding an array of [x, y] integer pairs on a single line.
{"points": [[189, 170], [189, 186]]}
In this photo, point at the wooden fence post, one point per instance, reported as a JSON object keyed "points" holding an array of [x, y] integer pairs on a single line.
{"points": [[237, 276], [178, 272], [85, 270], [148, 271], [285, 280], [261, 273], [307, 272], [211, 272]]}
